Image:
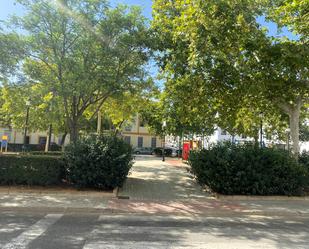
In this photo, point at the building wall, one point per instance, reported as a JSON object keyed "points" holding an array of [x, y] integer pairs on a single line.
{"points": [[136, 129], [16, 136]]}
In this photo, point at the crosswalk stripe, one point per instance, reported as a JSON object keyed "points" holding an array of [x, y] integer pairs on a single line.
{"points": [[33, 232]]}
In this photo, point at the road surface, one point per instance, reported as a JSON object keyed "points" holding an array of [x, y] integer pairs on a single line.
{"points": [[95, 231]]}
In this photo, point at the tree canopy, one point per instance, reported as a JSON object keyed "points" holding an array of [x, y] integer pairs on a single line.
{"points": [[82, 51], [218, 61]]}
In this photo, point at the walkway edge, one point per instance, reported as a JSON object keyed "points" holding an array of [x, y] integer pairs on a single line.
{"points": [[260, 198]]}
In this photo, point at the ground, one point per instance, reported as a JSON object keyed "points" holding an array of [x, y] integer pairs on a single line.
{"points": [[165, 209]]}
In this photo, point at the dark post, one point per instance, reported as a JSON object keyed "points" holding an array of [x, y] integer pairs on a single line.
{"points": [[26, 127], [49, 136], [163, 149]]}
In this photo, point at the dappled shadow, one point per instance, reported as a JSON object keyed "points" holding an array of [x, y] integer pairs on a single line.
{"points": [[51, 200], [192, 207], [155, 180], [223, 232]]}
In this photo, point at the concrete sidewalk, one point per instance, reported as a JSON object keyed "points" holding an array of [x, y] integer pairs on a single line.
{"points": [[153, 188], [152, 179], [107, 205]]}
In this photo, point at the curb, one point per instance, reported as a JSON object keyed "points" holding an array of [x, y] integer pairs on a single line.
{"points": [[54, 191], [109, 211], [260, 198], [116, 192]]}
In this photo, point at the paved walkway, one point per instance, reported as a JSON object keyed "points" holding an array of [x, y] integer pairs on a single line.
{"points": [[153, 187], [152, 179]]}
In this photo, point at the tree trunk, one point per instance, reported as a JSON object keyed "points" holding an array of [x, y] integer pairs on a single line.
{"points": [[48, 140], [74, 129], [99, 125], [63, 140], [294, 126]]}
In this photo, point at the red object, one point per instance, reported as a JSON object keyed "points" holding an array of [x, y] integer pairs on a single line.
{"points": [[186, 151]]}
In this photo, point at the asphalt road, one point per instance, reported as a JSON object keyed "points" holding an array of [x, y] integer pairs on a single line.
{"points": [[95, 231]]}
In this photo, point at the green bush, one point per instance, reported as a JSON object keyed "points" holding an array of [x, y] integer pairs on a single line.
{"points": [[304, 160], [30, 170], [231, 169], [99, 162]]}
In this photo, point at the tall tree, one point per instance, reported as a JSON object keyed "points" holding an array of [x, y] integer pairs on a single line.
{"points": [[83, 51], [218, 56]]}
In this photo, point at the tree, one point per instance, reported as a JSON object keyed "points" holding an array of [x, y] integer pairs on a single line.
{"points": [[45, 108], [83, 51], [292, 14], [220, 62], [284, 80], [11, 51]]}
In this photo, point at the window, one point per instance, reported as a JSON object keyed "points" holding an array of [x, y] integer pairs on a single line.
{"points": [[153, 142], [127, 139], [140, 142], [223, 132], [42, 140]]}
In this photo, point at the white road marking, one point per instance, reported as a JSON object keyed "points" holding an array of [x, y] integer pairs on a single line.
{"points": [[33, 232]]}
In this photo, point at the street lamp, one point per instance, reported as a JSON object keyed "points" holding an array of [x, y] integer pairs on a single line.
{"points": [[163, 149], [261, 129], [28, 103], [288, 131]]}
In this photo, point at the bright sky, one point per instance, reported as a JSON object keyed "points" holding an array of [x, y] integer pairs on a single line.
{"points": [[7, 7]]}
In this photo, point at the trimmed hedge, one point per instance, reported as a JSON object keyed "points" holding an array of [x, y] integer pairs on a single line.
{"points": [[49, 153], [99, 162], [31, 170], [32, 147], [248, 170]]}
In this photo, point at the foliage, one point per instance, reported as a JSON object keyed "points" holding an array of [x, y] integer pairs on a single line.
{"points": [[121, 109], [45, 108], [304, 159], [294, 15], [31, 170], [11, 51], [100, 162], [304, 132], [230, 169], [84, 52], [221, 67]]}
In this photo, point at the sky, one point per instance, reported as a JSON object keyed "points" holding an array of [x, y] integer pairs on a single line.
{"points": [[7, 8]]}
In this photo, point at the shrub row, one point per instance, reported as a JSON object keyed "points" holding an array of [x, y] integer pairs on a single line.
{"points": [[231, 169], [32, 147], [31, 170], [49, 153], [96, 162]]}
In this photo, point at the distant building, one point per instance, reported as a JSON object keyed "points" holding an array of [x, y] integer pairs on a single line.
{"points": [[137, 134], [16, 136]]}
